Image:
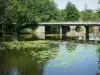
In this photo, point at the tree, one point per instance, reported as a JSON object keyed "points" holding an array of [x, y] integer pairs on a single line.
{"points": [[98, 13], [15, 14], [24, 12], [48, 10], [88, 15], [5, 14], [95, 17], [71, 12], [62, 15]]}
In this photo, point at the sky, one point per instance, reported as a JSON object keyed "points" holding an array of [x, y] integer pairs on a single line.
{"points": [[91, 4]]}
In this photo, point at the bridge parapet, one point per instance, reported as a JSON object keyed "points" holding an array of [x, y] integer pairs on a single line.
{"points": [[69, 23]]}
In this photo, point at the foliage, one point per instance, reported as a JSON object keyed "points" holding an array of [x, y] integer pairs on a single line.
{"points": [[55, 29], [5, 11], [86, 15], [90, 29], [48, 11], [32, 58], [89, 15], [14, 12], [98, 13], [27, 37], [26, 45], [25, 12], [98, 54], [16, 15], [71, 12], [62, 15], [41, 50], [5, 14], [27, 30], [71, 47], [79, 29]]}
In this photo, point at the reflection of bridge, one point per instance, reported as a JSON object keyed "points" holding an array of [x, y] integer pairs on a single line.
{"points": [[64, 27]]}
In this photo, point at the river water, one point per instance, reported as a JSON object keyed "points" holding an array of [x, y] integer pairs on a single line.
{"points": [[68, 59], [42, 36]]}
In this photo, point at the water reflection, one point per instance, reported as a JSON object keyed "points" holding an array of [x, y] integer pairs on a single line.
{"points": [[63, 59], [26, 62], [70, 47], [94, 38], [98, 54], [74, 59], [23, 37], [42, 36]]}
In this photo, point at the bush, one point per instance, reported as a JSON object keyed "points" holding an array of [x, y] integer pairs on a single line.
{"points": [[27, 30]]}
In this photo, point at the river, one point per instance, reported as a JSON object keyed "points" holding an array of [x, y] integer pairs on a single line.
{"points": [[64, 59]]}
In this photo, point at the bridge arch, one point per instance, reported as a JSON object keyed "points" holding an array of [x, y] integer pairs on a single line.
{"points": [[79, 28]]}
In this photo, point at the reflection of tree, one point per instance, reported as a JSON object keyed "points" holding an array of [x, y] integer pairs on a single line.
{"points": [[22, 37], [26, 61], [98, 54], [71, 47], [28, 37]]}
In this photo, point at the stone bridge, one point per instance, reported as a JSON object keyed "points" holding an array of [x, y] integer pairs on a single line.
{"points": [[64, 27]]}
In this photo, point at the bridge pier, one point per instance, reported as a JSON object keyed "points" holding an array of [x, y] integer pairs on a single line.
{"points": [[72, 31], [47, 30], [60, 32], [86, 33], [64, 31]]}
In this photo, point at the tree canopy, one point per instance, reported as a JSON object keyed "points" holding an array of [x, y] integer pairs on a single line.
{"points": [[71, 12]]}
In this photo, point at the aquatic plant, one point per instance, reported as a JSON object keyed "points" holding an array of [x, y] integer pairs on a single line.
{"points": [[40, 51], [70, 47], [98, 54], [27, 44]]}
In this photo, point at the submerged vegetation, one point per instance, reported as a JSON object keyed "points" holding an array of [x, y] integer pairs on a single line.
{"points": [[30, 56], [41, 50], [71, 47], [35, 56], [28, 44], [98, 54]]}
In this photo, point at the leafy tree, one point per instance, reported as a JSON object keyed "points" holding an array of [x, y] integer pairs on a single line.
{"points": [[48, 10], [95, 17], [98, 13], [5, 13], [24, 12], [62, 15], [88, 15], [71, 12]]}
